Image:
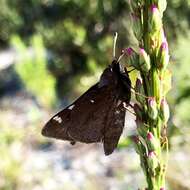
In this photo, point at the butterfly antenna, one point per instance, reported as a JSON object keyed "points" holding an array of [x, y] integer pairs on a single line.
{"points": [[120, 57], [114, 44], [114, 48], [136, 93]]}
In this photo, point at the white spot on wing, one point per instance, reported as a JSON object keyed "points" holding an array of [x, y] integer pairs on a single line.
{"points": [[92, 101], [58, 119], [124, 105], [117, 112], [71, 107]]}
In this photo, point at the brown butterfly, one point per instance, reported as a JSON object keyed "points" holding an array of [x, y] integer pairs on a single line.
{"points": [[98, 115]]}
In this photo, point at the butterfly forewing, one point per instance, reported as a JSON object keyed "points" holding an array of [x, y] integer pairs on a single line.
{"points": [[55, 128], [84, 120]]}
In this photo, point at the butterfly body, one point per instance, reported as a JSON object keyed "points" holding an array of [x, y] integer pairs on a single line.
{"points": [[96, 116]]}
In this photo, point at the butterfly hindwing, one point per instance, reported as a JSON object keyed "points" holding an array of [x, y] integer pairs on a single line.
{"points": [[114, 127]]}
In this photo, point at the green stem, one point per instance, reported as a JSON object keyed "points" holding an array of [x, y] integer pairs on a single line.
{"points": [[154, 120]]}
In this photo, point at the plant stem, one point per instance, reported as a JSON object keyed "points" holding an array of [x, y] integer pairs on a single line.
{"points": [[151, 60]]}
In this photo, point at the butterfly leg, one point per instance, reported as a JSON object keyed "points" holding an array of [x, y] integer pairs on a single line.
{"points": [[126, 107]]}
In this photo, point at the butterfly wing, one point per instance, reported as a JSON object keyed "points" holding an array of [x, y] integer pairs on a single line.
{"points": [[114, 127], [88, 117], [84, 120]]}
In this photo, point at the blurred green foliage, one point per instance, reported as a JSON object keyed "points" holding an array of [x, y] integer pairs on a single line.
{"points": [[181, 99], [31, 68], [11, 165]]}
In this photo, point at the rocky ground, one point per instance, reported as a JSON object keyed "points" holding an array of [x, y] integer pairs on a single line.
{"points": [[42, 164]]}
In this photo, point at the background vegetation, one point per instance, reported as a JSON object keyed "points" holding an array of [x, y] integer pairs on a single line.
{"points": [[50, 52]]}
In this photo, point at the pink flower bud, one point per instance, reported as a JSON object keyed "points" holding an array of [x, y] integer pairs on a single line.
{"points": [[162, 188], [144, 60], [152, 142], [152, 108], [154, 9], [151, 154], [150, 136], [139, 88], [163, 56], [142, 51], [151, 101], [152, 161], [132, 56], [155, 20], [164, 46], [165, 111], [128, 51]]}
